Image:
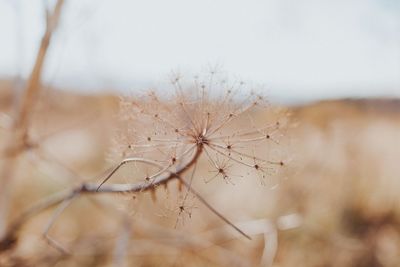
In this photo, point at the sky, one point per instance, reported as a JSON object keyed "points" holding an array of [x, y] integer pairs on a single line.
{"points": [[298, 50]]}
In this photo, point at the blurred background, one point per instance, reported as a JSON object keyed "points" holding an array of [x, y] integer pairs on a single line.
{"points": [[304, 50], [333, 66]]}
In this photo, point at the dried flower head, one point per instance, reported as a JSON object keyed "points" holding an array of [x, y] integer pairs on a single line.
{"points": [[222, 124]]}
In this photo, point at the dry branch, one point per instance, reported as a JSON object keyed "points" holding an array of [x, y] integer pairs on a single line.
{"points": [[10, 238], [18, 139]]}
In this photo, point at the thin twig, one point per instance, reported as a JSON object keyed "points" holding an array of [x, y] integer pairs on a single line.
{"points": [[65, 204], [210, 207], [91, 188]]}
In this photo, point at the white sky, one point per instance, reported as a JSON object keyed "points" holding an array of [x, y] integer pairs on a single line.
{"points": [[299, 49]]}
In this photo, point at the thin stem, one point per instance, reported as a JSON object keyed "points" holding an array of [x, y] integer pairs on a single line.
{"points": [[210, 207], [19, 136], [127, 160], [7, 241]]}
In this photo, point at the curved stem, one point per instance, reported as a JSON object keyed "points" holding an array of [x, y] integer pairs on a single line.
{"points": [[9, 240]]}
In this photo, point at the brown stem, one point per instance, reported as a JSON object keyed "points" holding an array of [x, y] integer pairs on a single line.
{"points": [[18, 138], [210, 207], [34, 83], [162, 179], [9, 240]]}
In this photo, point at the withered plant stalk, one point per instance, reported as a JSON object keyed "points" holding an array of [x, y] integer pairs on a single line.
{"points": [[18, 139], [174, 135]]}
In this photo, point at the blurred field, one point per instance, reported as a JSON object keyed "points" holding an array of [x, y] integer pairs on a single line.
{"points": [[337, 204]]}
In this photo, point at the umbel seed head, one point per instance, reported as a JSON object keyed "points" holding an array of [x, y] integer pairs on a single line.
{"points": [[226, 123]]}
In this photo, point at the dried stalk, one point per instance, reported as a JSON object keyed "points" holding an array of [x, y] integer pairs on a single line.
{"points": [[18, 141], [64, 198]]}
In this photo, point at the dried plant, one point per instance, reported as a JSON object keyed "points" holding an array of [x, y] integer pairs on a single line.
{"points": [[207, 129], [18, 140], [198, 123]]}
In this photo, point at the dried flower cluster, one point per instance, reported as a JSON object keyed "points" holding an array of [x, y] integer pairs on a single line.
{"points": [[208, 129], [209, 121]]}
